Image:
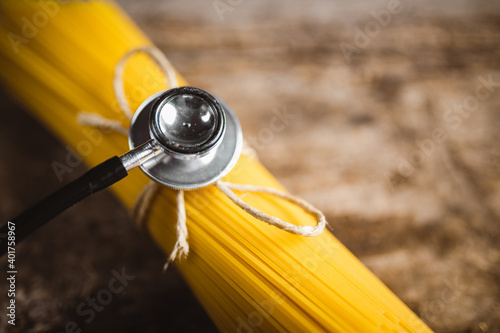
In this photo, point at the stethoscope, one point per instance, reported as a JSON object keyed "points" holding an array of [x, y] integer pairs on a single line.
{"points": [[184, 138]]}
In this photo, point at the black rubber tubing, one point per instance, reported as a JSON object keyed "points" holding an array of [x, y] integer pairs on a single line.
{"points": [[94, 180]]}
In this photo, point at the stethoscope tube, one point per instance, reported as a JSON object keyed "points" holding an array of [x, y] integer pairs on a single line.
{"points": [[186, 125], [94, 180]]}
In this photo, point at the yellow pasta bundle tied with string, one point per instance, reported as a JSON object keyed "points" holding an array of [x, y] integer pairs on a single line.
{"points": [[248, 275]]}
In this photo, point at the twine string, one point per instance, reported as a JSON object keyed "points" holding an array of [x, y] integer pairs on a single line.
{"points": [[307, 231], [96, 120], [148, 194], [159, 59], [181, 247], [143, 203]]}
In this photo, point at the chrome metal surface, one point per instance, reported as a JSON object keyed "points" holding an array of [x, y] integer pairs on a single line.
{"points": [[135, 157], [187, 122], [193, 169]]}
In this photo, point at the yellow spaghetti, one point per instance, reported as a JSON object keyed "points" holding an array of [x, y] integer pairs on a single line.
{"points": [[59, 59]]}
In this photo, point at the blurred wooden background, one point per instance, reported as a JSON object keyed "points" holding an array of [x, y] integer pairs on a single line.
{"points": [[396, 140]]}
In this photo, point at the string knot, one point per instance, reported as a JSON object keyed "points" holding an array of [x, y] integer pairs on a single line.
{"points": [[146, 197]]}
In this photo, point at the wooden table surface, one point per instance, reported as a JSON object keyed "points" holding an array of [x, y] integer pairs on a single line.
{"points": [[389, 123]]}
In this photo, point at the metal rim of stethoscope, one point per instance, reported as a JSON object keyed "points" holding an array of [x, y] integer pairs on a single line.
{"points": [[189, 164], [184, 138]]}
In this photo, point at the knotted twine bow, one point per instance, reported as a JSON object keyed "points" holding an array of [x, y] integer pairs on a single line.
{"points": [[148, 193]]}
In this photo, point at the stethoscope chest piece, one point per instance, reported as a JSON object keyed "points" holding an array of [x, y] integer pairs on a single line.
{"points": [[200, 137]]}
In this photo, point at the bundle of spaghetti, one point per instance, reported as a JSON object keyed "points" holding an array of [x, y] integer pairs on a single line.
{"points": [[59, 59]]}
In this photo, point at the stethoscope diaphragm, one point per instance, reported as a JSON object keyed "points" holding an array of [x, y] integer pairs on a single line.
{"points": [[199, 136]]}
